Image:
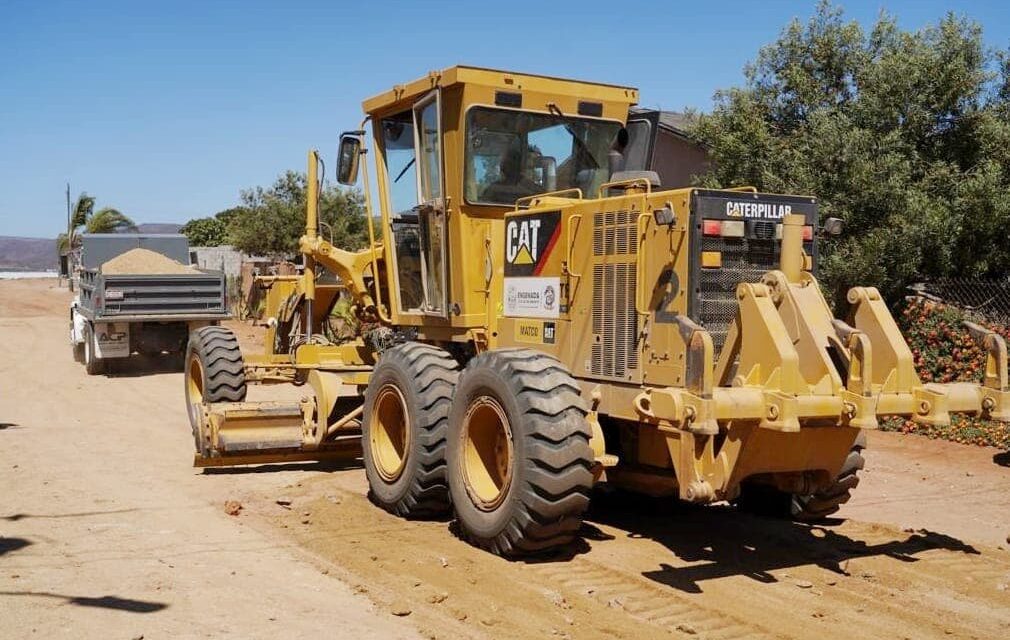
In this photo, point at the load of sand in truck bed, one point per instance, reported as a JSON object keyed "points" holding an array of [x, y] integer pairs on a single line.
{"points": [[141, 261]]}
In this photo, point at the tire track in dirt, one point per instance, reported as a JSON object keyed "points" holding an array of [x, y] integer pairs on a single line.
{"points": [[649, 569], [651, 604]]}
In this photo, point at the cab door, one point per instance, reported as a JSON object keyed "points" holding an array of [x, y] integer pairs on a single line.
{"points": [[431, 209]]}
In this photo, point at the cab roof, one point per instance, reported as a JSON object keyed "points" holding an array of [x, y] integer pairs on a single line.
{"points": [[498, 79]]}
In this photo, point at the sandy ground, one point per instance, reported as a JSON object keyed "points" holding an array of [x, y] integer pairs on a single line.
{"points": [[108, 532]]}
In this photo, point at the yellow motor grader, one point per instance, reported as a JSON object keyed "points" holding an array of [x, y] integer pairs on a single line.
{"points": [[535, 318]]}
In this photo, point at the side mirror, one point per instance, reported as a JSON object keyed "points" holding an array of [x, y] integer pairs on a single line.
{"points": [[348, 154], [833, 227]]}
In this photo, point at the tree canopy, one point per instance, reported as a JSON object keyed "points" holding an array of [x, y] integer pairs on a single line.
{"points": [[211, 231], [905, 135], [271, 220]]}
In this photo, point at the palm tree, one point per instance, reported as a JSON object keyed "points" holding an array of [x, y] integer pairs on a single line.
{"points": [[105, 220], [84, 219], [108, 220], [83, 209]]}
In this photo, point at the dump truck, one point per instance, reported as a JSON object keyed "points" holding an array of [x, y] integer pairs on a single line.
{"points": [[535, 318], [138, 295]]}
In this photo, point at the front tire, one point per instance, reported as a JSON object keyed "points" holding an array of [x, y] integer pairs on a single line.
{"points": [[405, 424], [519, 455], [214, 372]]}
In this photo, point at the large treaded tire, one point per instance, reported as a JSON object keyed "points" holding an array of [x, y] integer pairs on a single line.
{"points": [[423, 376], [539, 506], [214, 372], [766, 500]]}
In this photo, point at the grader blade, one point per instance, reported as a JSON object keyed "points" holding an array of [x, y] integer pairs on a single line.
{"points": [[240, 433]]}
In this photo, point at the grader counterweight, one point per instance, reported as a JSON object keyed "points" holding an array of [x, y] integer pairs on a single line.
{"points": [[539, 320]]}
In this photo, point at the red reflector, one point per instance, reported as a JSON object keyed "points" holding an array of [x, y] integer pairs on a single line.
{"points": [[712, 228], [808, 233]]}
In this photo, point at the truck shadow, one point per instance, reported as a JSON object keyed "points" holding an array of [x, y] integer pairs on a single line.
{"points": [[137, 366], [724, 542], [1002, 459]]}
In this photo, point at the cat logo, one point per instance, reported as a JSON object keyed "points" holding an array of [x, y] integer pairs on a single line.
{"points": [[529, 239], [521, 245]]}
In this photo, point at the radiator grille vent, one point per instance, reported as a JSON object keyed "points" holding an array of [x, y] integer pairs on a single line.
{"points": [[615, 322], [614, 233]]}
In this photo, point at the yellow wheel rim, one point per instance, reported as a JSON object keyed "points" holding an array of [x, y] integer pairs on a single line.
{"points": [[389, 433], [194, 383], [487, 453]]}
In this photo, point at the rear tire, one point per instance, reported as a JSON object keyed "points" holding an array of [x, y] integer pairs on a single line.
{"points": [[519, 455], [214, 372], [766, 500], [92, 363], [404, 428]]}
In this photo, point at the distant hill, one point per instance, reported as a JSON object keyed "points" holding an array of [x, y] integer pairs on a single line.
{"points": [[27, 254], [39, 254], [159, 227]]}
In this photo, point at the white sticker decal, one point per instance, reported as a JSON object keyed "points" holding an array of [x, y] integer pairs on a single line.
{"points": [[532, 297]]}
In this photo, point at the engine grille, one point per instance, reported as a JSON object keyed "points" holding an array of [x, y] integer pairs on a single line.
{"points": [[615, 323]]}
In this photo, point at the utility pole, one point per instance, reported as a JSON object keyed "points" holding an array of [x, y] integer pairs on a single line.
{"points": [[70, 247]]}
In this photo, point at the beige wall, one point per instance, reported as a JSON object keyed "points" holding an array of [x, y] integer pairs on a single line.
{"points": [[677, 160]]}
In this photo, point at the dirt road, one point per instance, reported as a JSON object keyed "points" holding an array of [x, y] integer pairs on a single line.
{"points": [[111, 534], [105, 529]]}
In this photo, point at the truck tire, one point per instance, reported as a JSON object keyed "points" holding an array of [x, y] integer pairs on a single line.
{"points": [[93, 365], [78, 352], [214, 372], [404, 429], [519, 456], [766, 500]]}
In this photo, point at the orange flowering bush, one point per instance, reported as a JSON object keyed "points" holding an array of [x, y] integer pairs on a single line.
{"points": [[944, 351]]}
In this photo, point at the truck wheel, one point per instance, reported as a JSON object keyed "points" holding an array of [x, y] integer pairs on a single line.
{"points": [[518, 455], [92, 363], [214, 373], [404, 429], [766, 500]]}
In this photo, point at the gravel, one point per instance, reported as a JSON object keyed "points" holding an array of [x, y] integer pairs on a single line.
{"points": [[146, 262]]}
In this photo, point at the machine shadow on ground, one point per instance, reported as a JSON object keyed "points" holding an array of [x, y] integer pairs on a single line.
{"points": [[102, 602], [10, 545], [1002, 458], [324, 466], [724, 542]]}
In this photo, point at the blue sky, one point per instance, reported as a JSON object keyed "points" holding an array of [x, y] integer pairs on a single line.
{"points": [[166, 110]]}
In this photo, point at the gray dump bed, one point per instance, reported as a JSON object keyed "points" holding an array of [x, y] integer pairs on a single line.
{"points": [[146, 296]]}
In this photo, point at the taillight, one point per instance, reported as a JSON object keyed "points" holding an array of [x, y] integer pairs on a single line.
{"points": [[712, 228], [808, 233]]}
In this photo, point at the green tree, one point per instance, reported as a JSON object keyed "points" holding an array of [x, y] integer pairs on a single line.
{"points": [[271, 220], [904, 135], [205, 232]]}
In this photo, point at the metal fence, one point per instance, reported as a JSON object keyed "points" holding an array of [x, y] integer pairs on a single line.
{"points": [[985, 300]]}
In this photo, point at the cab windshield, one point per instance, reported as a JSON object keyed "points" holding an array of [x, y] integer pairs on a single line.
{"points": [[514, 154]]}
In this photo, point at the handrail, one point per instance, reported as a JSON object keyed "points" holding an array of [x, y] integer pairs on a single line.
{"points": [[629, 182], [371, 231], [639, 264], [568, 241], [574, 190]]}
